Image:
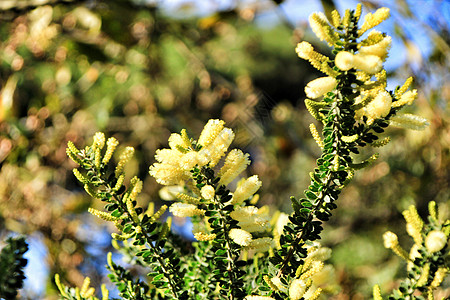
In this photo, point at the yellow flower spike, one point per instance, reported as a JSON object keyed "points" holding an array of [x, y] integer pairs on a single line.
{"points": [[115, 244], [80, 176], [105, 292], [185, 210], [414, 224], [119, 183], [315, 295], [60, 286], [158, 214], [124, 158], [349, 139], [109, 260], [121, 237], [335, 18], [432, 209], [391, 242], [245, 189], [320, 86], [77, 293], [131, 210], [204, 237], [235, 162], [377, 293], [188, 199], [254, 199], [102, 215], [313, 108], [316, 266], [240, 237], [358, 11], [297, 289], [97, 158], [372, 20], [306, 51], [322, 29], [85, 287], [409, 121], [406, 98], [439, 276], [269, 282], [150, 209], [210, 132], [381, 143], [315, 135], [72, 153], [423, 279], [216, 149], [99, 140], [346, 19], [404, 87], [185, 138], [111, 145], [137, 188]]}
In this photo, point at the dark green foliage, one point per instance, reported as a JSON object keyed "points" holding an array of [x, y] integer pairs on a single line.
{"points": [[11, 267]]}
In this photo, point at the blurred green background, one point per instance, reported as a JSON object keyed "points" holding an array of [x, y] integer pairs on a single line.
{"points": [[139, 70]]}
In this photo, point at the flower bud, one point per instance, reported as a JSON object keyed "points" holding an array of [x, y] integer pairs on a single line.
{"points": [[435, 241], [320, 86]]}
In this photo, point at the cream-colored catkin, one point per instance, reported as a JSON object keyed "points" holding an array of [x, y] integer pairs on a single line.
{"points": [[322, 29], [372, 20], [210, 132], [409, 121], [131, 210], [102, 215], [240, 237], [320, 86], [81, 178], [315, 134], [188, 199], [85, 286], [335, 18], [404, 87], [60, 286], [204, 237], [99, 140], [105, 292], [72, 152], [124, 158], [111, 145], [377, 293], [414, 224], [245, 189], [235, 162], [406, 98], [154, 217], [306, 51], [439, 276]]}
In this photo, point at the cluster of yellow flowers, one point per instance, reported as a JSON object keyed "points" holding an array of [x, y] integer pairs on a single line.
{"points": [[374, 101], [311, 279], [173, 169], [434, 241]]}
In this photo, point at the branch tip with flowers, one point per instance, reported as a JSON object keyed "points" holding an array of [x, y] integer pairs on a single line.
{"points": [[234, 237]]}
